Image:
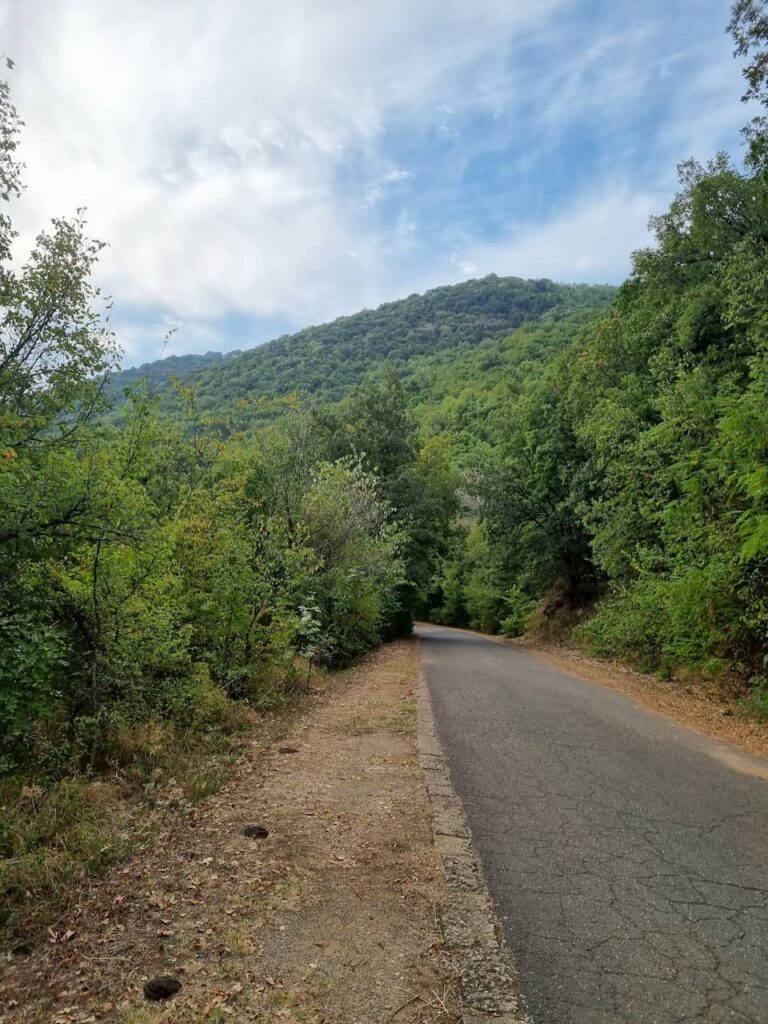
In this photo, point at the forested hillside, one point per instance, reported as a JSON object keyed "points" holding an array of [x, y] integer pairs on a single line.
{"points": [[633, 469], [158, 373], [326, 362], [624, 486]]}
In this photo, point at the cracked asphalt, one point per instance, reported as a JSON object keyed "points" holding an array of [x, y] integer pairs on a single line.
{"points": [[626, 855]]}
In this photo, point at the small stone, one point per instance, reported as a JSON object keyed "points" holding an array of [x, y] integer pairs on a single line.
{"points": [[255, 832], [161, 988]]}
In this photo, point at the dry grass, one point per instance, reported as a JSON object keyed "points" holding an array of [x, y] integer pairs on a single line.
{"points": [[403, 723], [329, 918], [55, 836]]}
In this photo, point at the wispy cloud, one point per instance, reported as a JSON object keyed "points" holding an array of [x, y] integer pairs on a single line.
{"points": [[589, 241], [257, 166]]}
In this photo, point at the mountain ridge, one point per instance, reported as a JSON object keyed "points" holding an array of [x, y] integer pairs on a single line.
{"points": [[326, 361]]}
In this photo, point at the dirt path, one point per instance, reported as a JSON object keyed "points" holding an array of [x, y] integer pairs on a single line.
{"points": [[331, 918]]}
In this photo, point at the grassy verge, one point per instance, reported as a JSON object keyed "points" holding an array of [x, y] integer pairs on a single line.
{"points": [[54, 834]]}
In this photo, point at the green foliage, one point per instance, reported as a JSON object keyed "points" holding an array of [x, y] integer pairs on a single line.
{"points": [[329, 361], [749, 27], [356, 546], [627, 459], [460, 454], [633, 624], [635, 463], [156, 573], [519, 608], [159, 374], [33, 654]]}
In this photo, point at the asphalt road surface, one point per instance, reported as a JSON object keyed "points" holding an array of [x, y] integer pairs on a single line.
{"points": [[627, 856]]}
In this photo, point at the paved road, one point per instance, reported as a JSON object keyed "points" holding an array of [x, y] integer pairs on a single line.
{"points": [[628, 857]]}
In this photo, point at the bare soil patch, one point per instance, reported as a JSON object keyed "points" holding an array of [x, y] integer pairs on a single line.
{"points": [[329, 918]]}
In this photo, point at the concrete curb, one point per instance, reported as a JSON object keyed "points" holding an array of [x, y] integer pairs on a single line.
{"points": [[471, 933]]}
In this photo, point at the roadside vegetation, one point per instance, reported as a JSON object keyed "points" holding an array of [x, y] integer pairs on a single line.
{"points": [[623, 485], [161, 581]]}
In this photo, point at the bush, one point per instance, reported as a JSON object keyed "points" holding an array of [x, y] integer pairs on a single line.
{"points": [[632, 623], [32, 654], [485, 601], [197, 704], [520, 607], [690, 621]]}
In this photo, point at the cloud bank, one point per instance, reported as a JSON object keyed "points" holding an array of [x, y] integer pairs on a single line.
{"points": [[257, 166]]}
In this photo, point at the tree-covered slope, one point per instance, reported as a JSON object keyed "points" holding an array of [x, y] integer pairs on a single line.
{"points": [[631, 468], [465, 394], [328, 361], [159, 371]]}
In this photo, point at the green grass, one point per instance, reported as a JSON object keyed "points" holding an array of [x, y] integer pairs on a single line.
{"points": [[52, 838]]}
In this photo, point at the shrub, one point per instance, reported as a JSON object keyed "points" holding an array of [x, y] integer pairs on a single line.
{"points": [[32, 654], [520, 607], [631, 623]]}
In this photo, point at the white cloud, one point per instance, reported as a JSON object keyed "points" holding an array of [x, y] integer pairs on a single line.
{"points": [[205, 139], [592, 240], [237, 154]]}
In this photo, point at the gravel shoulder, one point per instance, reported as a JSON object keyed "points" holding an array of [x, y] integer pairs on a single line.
{"points": [[330, 918]]}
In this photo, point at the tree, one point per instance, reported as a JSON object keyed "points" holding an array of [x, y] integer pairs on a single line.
{"points": [[749, 28], [350, 530], [54, 351]]}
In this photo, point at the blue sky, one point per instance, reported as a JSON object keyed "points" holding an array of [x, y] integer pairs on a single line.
{"points": [[256, 167]]}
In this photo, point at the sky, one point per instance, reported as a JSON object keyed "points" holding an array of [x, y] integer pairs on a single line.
{"points": [[257, 166]]}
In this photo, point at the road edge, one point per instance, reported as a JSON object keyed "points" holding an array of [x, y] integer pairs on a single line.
{"points": [[471, 932]]}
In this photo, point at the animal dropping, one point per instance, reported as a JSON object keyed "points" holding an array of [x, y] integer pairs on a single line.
{"points": [[255, 832], [162, 987]]}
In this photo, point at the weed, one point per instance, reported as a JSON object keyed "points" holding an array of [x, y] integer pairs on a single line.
{"points": [[404, 722], [295, 1004], [239, 940], [284, 895], [205, 783], [51, 838]]}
